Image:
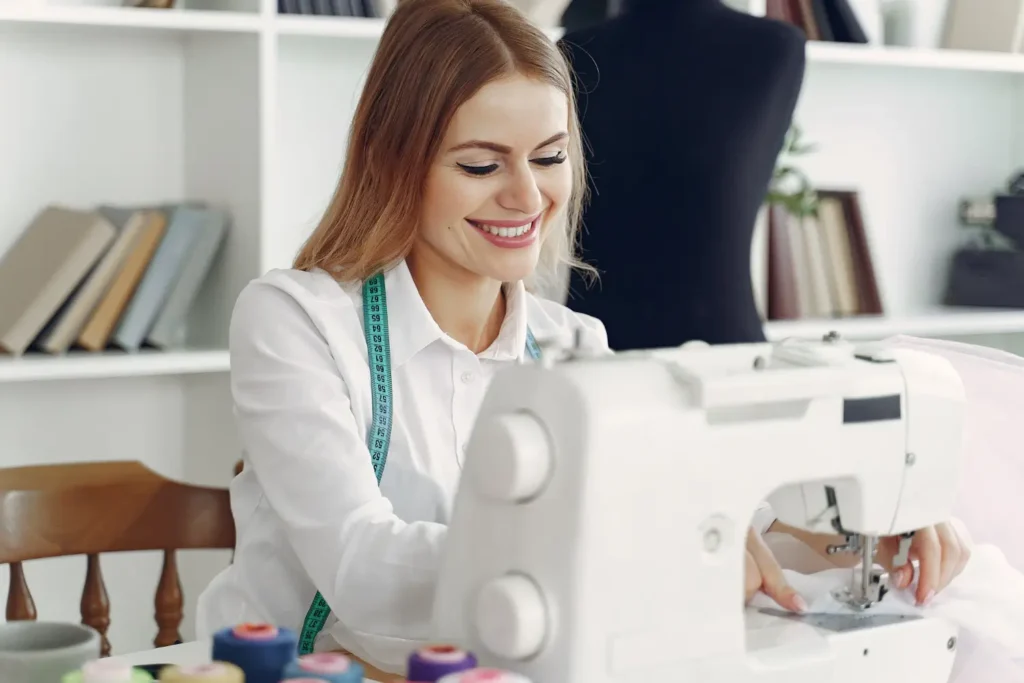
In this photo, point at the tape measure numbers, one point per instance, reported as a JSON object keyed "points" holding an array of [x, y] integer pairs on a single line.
{"points": [[378, 350]]}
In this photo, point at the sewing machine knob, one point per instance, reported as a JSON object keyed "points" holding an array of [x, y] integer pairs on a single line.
{"points": [[511, 618], [514, 458]]}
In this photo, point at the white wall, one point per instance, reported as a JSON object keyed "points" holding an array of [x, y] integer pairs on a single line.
{"points": [[318, 84]]}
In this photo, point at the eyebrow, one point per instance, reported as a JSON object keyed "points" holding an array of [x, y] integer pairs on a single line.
{"points": [[504, 149]]}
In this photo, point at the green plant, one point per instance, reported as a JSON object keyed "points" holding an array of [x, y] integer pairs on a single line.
{"points": [[790, 187]]}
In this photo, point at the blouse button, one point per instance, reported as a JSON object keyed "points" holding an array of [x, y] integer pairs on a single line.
{"points": [[468, 377]]}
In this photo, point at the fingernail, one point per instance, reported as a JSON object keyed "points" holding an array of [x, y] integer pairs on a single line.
{"points": [[903, 577], [928, 598], [799, 603]]}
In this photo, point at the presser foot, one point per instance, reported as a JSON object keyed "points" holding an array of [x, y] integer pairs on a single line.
{"points": [[856, 598], [869, 583]]}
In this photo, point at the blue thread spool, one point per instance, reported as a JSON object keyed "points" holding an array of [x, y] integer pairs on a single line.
{"points": [[324, 666], [430, 664], [261, 651]]}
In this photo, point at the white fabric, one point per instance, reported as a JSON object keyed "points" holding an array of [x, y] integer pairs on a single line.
{"points": [[307, 507]]}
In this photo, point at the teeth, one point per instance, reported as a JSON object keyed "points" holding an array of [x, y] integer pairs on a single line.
{"points": [[505, 232]]}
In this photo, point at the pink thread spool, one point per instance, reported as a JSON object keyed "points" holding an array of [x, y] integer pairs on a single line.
{"points": [[484, 675]]}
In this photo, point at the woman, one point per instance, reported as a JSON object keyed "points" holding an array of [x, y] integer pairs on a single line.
{"points": [[463, 181]]}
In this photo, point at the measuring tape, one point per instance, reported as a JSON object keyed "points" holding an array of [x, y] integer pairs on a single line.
{"points": [[378, 349]]}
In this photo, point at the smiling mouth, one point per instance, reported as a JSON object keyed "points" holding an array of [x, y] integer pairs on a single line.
{"points": [[506, 229]]}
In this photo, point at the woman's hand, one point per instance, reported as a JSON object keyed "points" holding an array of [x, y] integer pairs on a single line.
{"points": [[941, 552], [764, 573]]}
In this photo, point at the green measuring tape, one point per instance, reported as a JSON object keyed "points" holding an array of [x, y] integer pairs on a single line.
{"points": [[378, 349]]}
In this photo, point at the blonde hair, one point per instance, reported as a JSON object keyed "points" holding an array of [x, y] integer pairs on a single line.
{"points": [[433, 56]]}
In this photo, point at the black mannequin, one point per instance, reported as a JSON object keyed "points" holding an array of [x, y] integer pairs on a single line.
{"points": [[684, 106]]}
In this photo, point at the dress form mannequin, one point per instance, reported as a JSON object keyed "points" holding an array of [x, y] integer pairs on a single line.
{"points": [[684, 106]]}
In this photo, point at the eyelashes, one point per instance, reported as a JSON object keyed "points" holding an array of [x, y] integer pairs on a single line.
{"points": [[479, 170], [491, 168]]}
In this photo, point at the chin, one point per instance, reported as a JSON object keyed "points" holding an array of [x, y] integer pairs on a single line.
{"points": [[510, 268], [506, 258]]}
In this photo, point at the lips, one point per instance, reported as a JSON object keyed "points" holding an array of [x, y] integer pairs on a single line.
{"points": [[508, 234], [515, 231]]}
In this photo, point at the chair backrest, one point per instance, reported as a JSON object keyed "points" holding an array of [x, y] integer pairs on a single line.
{"points": [[93, 508]]}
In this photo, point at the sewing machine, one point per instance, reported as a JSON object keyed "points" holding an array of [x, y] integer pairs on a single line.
{"points": [[598, 533]]}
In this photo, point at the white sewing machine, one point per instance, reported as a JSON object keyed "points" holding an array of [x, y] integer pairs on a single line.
{"points": [[598, 532]]}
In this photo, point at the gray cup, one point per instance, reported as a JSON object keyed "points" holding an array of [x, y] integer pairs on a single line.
{"points": [[43, 651]]}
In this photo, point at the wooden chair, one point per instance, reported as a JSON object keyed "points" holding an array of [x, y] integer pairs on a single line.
{"points": [[93, 508]]}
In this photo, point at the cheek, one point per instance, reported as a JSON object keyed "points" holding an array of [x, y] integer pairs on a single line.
{"points": [[556, 185], [449, 198]]}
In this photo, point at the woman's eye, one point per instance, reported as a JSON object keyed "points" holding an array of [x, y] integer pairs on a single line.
{"points": [[478, 170], [551, 160]]}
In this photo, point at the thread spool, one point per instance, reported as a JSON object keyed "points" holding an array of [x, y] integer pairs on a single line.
{"points": [[261, 651], [325, 666], [484, 675], [213, 672], [107, 671], [430, 664]]}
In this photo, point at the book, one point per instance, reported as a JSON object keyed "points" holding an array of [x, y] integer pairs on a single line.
{"points": [[168, 330], [184, 230], [95, 335], [64, 328], [820, 266], [44, 267]]}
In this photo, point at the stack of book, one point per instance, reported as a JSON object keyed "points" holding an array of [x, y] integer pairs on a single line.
{"points": [[831, 21], [817, 266], [110, 277]]}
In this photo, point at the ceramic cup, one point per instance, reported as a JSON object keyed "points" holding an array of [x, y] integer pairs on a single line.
{"points": [[43, 651]]}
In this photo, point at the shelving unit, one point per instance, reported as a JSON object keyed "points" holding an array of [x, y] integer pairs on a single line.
{"points": [[938, 323], [224, 101], [86, 365]]}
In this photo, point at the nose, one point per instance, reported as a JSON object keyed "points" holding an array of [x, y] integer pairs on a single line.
{"points": [[521, 193]]}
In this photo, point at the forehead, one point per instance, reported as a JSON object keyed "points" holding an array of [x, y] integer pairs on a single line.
{"points": [[516, 111]]}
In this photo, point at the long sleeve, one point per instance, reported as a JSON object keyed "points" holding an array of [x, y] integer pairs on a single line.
{"points": [[296, 423]]}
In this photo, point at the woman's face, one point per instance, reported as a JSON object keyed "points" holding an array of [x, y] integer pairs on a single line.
{"points": [[501, 180]]}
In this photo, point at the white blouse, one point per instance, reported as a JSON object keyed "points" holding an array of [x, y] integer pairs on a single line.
{"points": [[308, 510]]}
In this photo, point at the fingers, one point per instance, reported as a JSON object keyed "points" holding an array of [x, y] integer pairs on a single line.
{"points": [[773, 581], [927, 549], [951, 552], [902, 576], [942, 554], [955, 552], [752, 578]]}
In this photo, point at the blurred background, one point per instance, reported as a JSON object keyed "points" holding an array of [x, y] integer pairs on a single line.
{"points": [[154, 159]]}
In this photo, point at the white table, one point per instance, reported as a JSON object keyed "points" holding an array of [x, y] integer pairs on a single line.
{"points": [[194, 652]]}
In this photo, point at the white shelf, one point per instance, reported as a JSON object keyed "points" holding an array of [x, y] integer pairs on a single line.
{"points": [[366, 28], [938, 323], [888, 56], [343, 27], [133, 18], [339, 27], [86, 365]]}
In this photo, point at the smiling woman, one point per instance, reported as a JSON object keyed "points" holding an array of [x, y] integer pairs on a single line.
{"points": [[491, 101], [356, 375]]}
